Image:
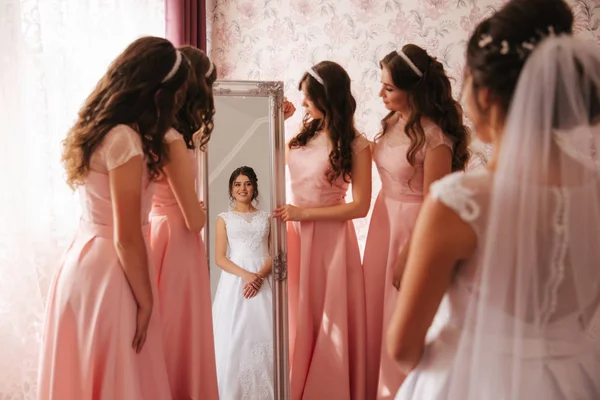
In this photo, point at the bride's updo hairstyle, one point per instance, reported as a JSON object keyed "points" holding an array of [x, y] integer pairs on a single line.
{"points": [[500, 45]]}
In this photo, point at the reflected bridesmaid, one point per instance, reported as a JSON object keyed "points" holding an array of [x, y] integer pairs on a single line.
{"points": [[423, 138], [326, 287], [178, 250], [102, 336]]}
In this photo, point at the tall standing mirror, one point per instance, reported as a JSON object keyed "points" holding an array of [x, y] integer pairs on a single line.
{"points": [[242, 179]]}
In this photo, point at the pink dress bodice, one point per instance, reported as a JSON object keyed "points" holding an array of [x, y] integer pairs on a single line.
{"points": [[308, 167], [399, 180], [119, 146], [163, 194]]}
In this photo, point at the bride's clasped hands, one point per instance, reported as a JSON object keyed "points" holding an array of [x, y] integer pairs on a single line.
{"points": [[252, 284]]}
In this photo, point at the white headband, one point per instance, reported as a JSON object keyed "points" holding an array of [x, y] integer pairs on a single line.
{"points": [[409, 63], [210, 69], [175, 68], [314, 74]]}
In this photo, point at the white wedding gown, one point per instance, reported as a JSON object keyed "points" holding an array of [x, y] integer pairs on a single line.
{"points": [[244, 327], [570, 354]]}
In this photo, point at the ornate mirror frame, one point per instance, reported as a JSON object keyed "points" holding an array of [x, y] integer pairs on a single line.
{"points": [[274, 91]]}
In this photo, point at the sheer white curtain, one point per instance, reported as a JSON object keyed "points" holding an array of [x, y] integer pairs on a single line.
{"points": [[52, 52]]}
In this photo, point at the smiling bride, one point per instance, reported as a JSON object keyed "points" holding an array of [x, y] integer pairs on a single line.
{"points": [[242, 308]]}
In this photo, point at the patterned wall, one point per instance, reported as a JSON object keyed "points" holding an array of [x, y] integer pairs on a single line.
{"points": [[279, 39]]}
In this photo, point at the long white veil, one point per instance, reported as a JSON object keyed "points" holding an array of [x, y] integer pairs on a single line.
{"points": [[533, 325]]}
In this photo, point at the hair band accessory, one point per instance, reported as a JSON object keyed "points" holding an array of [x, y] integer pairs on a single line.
{"points": [[210, 69], [314, 74], [409, 63], [175, 68]]}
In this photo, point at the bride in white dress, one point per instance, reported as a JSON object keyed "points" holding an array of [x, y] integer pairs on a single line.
{"points": [[513, 248], [242, 308]]}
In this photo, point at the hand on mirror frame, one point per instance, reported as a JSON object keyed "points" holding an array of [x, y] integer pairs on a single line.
{"points": [[288, 108], [289, 213]]}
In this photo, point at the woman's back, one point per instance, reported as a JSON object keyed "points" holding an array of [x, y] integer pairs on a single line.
{"points": [[119, 145], [183, 282], [559, 335], [163, 193]]}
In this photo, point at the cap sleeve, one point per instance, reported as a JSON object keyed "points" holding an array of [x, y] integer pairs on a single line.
{"points": [[359, 143], [173, 135], [223, 216], [465, 194], [120, 145], [436, 138]]}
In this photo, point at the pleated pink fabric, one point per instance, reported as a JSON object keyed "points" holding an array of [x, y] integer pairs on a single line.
{"points": [[183, 295], [86, 351], [326, 286]]}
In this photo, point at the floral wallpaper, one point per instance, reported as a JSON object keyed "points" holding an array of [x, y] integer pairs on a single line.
{"points": [[280, 39]]}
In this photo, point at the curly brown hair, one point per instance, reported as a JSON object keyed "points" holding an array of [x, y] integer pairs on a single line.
{"points": [[195, 118], [334, 99], [429, 96], [132, 92]]}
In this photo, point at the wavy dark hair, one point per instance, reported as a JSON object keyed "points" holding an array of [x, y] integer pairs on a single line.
{"points": [[195, 118], [516, 22], [334, 99], [245, 171], [131, 93], [429, 96]]}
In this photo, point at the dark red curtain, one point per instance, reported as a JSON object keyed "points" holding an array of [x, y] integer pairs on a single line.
{"points": [[186, 22]]}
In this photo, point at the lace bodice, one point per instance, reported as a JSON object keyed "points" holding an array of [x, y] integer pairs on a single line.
{"points": [[247, 233], [468, 194]]}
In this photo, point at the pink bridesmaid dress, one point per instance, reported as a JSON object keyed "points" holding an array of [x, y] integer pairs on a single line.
{"points": [[392, 221], [326, 286], [183, 295], [86, 351]]}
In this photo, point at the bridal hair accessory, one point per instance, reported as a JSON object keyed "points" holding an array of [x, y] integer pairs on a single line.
{"points": [[175, 68], [210, 69], [523, 50], [409, 62], [314, 74]]}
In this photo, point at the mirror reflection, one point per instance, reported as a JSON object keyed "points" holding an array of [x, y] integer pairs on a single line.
{"points": [[239, 235]]}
